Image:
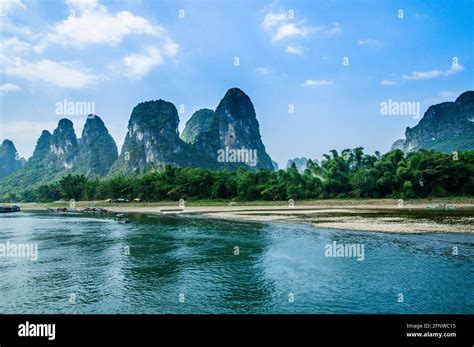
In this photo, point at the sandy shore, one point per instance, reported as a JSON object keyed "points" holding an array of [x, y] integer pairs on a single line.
{"points": [[397, 221], [383, 215]]}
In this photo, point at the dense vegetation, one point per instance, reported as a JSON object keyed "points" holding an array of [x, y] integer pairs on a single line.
{"points": [[349, 174]]}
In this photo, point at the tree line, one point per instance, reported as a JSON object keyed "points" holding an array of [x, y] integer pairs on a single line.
{"points": [[348, 174]]}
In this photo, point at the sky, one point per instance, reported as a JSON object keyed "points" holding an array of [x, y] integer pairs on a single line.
{"points": [[316, 71]]}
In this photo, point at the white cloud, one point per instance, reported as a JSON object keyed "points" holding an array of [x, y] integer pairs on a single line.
{"points": [[281, 27], [8, 6], [335, 28], [262, 71], [8, 87], [387, 83], [138, 65], [433, 73], [368, 42], [170, 48], [423, 75], [316, 83], [453, 69], [13, 44], [17, 46], [61, 74], [84, 5], [290, 30], [89, 22], [294, 49], [274, 19], [8, 27]]}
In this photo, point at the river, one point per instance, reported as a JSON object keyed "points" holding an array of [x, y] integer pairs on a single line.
{"points": [[178, 264]]}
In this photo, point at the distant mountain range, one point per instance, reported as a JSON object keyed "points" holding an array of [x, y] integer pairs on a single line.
{"points": [[300, 163], [61, 152], [224, 138]]}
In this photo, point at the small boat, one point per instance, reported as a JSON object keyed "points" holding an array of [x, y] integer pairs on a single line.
{"points": [[122, 219], [9, 209]]}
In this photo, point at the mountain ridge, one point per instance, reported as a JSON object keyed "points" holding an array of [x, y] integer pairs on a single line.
{"points": [[152, 142], [446, 127]]}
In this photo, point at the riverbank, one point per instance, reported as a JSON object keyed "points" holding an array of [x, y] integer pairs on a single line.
{"points": [[383, 215]]}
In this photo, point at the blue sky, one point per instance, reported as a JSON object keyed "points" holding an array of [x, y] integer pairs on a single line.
{"points": [[119, 53]]}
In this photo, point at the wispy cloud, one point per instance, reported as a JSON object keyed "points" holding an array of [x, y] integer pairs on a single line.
{"points": [[294, 49], [8, 6], [8, 27], [262, 71], [454, 68], [8, 88], [61, 74], [368, 42], [274, 19], [416, 75], [333, 29], [138, 65], [15, 45], [18, 46], [388, 83], [281, 26], [316, 83]]}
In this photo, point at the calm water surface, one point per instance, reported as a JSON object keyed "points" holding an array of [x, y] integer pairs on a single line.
{"points": [[180, 264]]}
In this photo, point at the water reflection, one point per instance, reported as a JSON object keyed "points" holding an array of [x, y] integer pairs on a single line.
{"points": [[179, 264], [173, 256]]}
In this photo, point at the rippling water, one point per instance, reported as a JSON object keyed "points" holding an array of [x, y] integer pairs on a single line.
{"points": [[187, 265]]}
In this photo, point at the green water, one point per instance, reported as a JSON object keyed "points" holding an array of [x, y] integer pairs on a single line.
{"points": [[178, 264]]}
